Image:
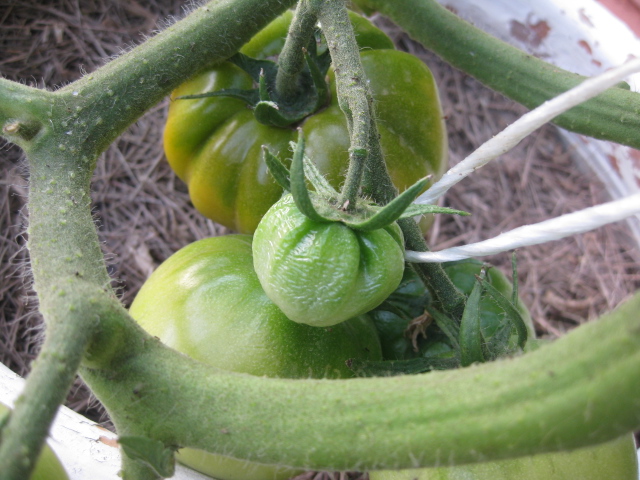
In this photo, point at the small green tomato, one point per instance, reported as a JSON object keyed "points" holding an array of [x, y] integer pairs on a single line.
{"points": [[322, 273]]}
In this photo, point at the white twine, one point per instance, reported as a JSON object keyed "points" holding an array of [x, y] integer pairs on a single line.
{"points": [[514, 133], [553, 229]]}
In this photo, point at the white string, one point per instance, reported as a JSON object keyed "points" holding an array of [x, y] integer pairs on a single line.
{"points": [[553, 229], [514, 133]]}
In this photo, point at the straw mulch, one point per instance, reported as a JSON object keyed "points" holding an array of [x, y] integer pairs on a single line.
{"points": [[144, 213]]}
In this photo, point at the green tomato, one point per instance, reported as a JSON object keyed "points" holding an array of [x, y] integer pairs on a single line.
{"points": [[48, 467], [322, 273], [615, 460], [215, 144], [206, 301]]}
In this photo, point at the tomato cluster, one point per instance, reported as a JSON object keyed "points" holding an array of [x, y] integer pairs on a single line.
{"points": [[215, 143], [316, 299]]}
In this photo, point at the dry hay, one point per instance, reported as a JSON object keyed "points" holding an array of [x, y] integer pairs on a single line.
{"points": [[144, 213]]}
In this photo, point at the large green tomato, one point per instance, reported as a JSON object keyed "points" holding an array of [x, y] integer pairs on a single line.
{"points": [[322, 273], [48, 467], [215, 144], [615, 460], [206, 301]]}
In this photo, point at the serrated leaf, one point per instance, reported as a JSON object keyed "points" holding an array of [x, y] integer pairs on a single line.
{"points": [[470, 327], [151, 452]]}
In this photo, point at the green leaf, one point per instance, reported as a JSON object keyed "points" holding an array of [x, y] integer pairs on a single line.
{"points": [[298, 185], [448, 326], [279, 171], [514, 275], [510, 310], [150, 452], [470, 329], [317, 180], [392, 210], [497, 345], [254, 67], [317, 76]]}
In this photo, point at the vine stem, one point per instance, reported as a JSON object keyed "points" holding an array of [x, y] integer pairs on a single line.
{"points": [[354, 96], [291, 59], [529, 122]]}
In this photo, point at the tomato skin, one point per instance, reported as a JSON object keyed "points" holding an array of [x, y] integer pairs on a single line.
{"points": [[322, 273], [206, 302], [48, 466], [612, 460], [215, 144]]}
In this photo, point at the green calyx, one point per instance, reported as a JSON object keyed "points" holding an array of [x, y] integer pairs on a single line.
{"points": [[271, 108], [323, 204]]}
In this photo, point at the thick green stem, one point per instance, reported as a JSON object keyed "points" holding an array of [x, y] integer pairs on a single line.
{"points": [[63, 133], [614, 115], [291, 60], [121, 91], [580, 390], [354, 96]]}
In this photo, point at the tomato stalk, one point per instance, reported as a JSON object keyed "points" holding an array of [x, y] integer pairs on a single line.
{"points": [[291, 60], [357, 104], [354, 96]]}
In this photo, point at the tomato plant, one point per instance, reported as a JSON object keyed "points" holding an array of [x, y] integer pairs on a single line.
{"points": [[206, 301], [616, 459], [215, 144], [592, 385]]}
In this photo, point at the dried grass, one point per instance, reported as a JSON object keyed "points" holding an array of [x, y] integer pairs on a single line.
{"points": [[144, 212]]}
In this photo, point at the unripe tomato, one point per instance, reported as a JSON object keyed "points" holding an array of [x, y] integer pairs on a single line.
{"points": [[206, 302], [322, 273], [215, 144]]}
